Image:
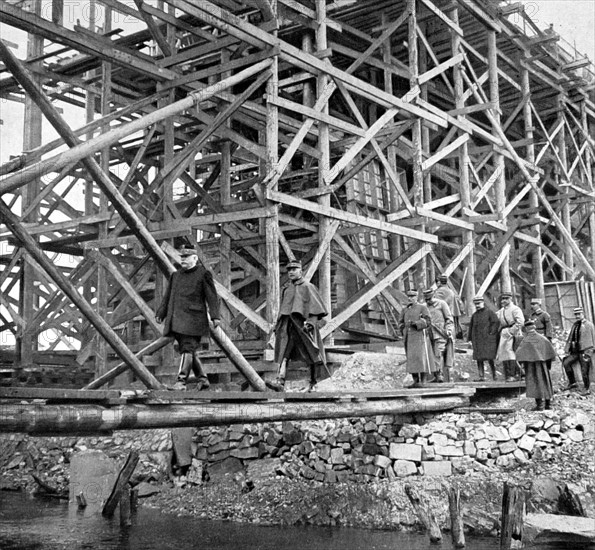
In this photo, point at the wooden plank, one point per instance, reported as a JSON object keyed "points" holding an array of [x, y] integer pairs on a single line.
{"points": [[444, 152], [443, 17], [58, 394], [349, 217], [432, 73], [121, 482]]}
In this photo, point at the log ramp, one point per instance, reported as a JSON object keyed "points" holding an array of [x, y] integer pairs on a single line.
{"points": [[53, 411]]}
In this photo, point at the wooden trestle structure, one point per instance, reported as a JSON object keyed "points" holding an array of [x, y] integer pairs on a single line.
{"points": [[380, 142]]}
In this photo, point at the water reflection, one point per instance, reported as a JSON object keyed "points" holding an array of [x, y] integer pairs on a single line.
{"points": [[30, 524]]}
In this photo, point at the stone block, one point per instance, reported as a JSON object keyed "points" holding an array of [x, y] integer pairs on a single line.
{"points": [[323, 451], [405, 451], [575, 435], [497, 433], [438, 439], [505, 461], [230, 465], [469, 448], [433, 468], [527, 443], [382, 461], [448, 450], [427, 452], [337, 456], [92, 473], [507, 447], [404, 468], [517, 430], [245, 453], [483, 443], [542, 435], [520, 456], [409, 431]]}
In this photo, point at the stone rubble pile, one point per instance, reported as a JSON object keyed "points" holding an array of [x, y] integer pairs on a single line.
{"points": [[387, 447]]}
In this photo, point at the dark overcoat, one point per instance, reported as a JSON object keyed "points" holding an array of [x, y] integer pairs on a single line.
{"points": [[534, 354], [483, 334], [184, 306], [300, 302]]}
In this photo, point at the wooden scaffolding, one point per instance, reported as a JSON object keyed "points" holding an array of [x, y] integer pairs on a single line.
{"points": [[380, 142]]}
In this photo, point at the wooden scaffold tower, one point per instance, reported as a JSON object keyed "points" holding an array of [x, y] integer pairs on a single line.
{"points": [[380, 142]]}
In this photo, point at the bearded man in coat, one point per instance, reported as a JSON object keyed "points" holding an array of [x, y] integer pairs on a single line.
{"points": [[441, 334], [483, 335], [183, 312], [297, 334], [414, 324], [534, 353]]}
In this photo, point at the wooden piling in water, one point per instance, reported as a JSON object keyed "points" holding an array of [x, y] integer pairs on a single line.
{"points": [[456, 519], [121, 485], [513, 512], [125, 507], [424, 513]]}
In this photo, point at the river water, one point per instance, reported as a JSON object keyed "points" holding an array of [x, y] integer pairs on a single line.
{"points": [[28, 523]]}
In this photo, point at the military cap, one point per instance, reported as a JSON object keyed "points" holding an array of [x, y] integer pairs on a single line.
{"points": [[443, 278], [429, 292], [578, 310], [411, 293], [535, 301], [529, 323], [478, 298], [186, 250], [293, 264], [506, 294]]}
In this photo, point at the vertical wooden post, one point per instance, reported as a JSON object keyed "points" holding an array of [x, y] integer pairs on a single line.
{"points": [[32, 126], [500, 185], [456, 520], [391, 155], [537, 259], [464, 161], [589, 176], [417, 159], [101, 293], [513, 512], [563, 180], [125, 520], [133, 500], [273, 290], [324, 268], [424, 513]]}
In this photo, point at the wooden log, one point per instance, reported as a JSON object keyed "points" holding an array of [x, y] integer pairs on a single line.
{"points": [[424, 513], [120, 485], [513, 512], [133, 499], [81, 500], [125, 520], [36, 418], [456, 519]]}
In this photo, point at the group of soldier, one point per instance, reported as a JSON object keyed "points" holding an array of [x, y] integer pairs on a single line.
{"points": [[429, 330], [523, 346]]}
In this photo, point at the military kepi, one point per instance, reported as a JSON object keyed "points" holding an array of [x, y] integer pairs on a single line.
{"points": [[186, 250], [411, 293], [294, 264]]}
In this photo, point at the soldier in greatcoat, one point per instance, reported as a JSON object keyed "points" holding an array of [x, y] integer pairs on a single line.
{"points": [[414, 324], [543, 321], [580, 349], [297, 334], [534, 353], [511, 326], [441, 333], [183, 311], [483, 335]]}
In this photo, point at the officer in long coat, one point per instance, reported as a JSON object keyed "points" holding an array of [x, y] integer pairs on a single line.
{"points": [[441, 333], [511, 326], [580, 349], [183, 311], [297, 334], [483, 335], [534, 353], [414, 324]]}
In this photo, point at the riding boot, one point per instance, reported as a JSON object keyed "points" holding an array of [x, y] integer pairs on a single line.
{"points": [[279, 383], [183, 371], [548, 404], [313, 380], [493, 367], [199, 372], [481, 370], [423, 378], [415, 377], [578, 376], [509, 369], [539, 405]]}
